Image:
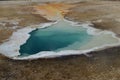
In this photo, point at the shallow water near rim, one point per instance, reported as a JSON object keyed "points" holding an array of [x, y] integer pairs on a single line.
{"points": [[55, 38], [67, 37]]}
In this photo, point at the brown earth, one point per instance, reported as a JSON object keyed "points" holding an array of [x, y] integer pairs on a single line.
{"points": [[20, 14], [103, 14], [103, 65]]}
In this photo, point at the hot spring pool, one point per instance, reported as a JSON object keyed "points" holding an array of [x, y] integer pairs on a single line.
{"points": [[57, 39]]}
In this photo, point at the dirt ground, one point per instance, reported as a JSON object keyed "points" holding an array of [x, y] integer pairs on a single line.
{"points": [[103, 14], [103, 65]]}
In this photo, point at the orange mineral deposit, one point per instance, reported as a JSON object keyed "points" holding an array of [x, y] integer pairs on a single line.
{"points": [[55, 11]]}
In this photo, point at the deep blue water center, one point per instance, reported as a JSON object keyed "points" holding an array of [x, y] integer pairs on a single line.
{"points": [[59, 36]]}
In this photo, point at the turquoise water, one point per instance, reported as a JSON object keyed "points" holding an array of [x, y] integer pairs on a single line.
{"points": [[56, 37]]}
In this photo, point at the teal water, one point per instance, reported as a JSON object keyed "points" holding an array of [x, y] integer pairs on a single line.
{"points": [[55, 38]]}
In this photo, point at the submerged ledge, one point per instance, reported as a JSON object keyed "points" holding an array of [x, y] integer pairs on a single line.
{"points": [[11, 48]]}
